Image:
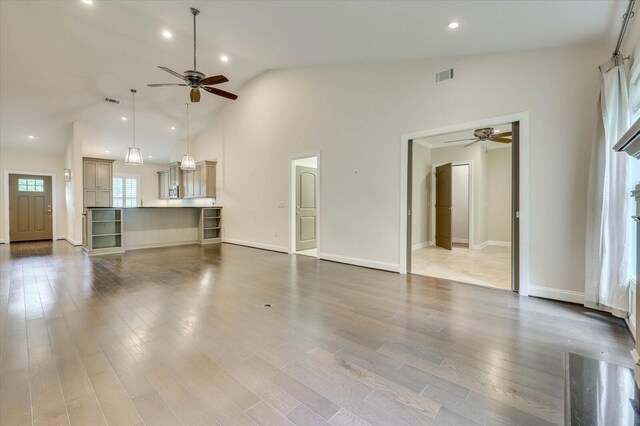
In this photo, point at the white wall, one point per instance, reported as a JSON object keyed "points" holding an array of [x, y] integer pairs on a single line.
{"points": [[29, 161], [421, 179], [499, 195], [74, 189], [460, 217], [355, 115]]}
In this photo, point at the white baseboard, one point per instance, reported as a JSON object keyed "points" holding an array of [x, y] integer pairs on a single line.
{"points": [[499, 243], [1, 240], [460, 240], [256, 245], [70, 241], [391, 267], [421, 245], [480, 246], [557, 294]]}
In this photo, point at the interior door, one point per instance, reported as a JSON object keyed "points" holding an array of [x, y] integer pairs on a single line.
{"points": [[30, 208], [444, 202], [306, 208]]}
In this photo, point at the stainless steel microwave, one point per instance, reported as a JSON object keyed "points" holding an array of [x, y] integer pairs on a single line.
{"points": [[174, 191]]}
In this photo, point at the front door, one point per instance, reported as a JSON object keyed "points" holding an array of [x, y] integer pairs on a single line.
{"points": [[30, 208], [306, 208], [444, 202]]}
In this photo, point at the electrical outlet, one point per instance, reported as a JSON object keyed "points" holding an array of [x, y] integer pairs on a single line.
{"points": [[280, 204]]}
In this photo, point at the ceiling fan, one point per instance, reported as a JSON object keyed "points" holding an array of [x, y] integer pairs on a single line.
{"points": [[486, 134], [195, 79]]}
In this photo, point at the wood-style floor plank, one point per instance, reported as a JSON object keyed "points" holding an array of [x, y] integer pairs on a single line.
{"points": [[180, 335]]}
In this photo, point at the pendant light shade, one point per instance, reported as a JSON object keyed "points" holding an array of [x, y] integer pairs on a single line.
{"points": [[134, 155], [188, 163]]}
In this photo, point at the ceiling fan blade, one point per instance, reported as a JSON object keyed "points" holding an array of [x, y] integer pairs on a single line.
{"points": [[195, 95], [461, 140], [502, 134], [469, 144], [501, 140], [162, 85], [172, 72], [214, 79], [221, 93]]}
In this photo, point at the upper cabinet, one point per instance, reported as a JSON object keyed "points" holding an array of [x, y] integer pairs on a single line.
{"points": [[97, 180], [163, 185], [201, 182]]}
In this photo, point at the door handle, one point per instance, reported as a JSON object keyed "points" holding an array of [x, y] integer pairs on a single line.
{"points": [[635, 218]]}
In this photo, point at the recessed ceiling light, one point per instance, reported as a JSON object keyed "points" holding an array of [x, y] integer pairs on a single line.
{"points": [[172, 127], [106, 152], [151, 156], [453, 25], [123, 118], [496, 130], [224, 58], [89, 2], [31, 137], [166, 34]]}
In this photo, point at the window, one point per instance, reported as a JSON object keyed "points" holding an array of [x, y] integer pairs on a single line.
{"points": [[125, 192], [30, 185]]}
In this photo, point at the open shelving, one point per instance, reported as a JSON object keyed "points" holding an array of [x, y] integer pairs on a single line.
{"points": [[211, 225], [103, 231]]}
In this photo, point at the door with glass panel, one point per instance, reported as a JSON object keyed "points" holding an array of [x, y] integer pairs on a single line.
{"points": [[30, 208]]}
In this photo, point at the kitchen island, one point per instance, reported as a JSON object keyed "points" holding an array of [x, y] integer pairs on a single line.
{"points": [[116, 229]]}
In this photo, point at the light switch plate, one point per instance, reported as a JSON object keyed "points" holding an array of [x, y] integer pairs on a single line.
{"points": [[280, 204]]}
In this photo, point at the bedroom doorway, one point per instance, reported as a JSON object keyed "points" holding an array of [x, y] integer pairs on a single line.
{"points": [[463, 203]]}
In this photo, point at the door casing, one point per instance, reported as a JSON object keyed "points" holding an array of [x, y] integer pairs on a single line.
{"points": [[521, 285], [5, 181]]}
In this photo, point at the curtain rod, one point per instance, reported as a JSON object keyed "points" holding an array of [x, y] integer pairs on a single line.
{"points": [[625, 23], [617, 58]]}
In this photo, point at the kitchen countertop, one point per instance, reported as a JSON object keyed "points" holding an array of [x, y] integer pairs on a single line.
{"points": [[156, 207]]}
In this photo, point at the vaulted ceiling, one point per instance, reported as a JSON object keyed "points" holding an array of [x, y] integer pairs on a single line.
{"points": [[60, 59]]}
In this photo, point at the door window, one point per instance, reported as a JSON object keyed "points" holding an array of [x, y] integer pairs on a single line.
{"points": [[30, 185]]}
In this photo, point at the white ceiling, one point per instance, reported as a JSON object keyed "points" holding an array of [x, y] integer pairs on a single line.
{"points": [[59, 59]]}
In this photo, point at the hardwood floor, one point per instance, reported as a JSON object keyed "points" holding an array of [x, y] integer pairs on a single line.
{"points": [[181, 335]]}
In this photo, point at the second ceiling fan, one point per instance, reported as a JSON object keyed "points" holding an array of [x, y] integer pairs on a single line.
{"points": [[194, 78], [486, 134]]}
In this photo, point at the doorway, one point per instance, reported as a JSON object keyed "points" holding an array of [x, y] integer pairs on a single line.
{"points": [[305, 206], [30, 207], [464, 206]]}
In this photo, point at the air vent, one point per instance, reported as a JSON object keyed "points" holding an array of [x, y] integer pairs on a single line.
{"points": [[444, 75], [112, 101]]}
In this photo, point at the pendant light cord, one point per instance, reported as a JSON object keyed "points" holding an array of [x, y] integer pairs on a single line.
{"points": [[188, 136], [133, 91]]}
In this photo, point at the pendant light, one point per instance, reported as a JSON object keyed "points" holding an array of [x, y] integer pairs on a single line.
{"points": [[134, 156], [188, 163]]}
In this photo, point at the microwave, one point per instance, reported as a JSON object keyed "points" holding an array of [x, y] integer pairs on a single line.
{"points": [[174, 191]]}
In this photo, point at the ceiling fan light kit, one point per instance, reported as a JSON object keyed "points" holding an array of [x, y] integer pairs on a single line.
{"points": [[134, 155], [194, 78]]}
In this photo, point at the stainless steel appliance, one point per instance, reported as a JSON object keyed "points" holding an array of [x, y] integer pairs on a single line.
{"points": [[174, 191]]}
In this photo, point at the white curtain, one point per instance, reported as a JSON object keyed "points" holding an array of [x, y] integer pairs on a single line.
{"points": [[609, 232]]}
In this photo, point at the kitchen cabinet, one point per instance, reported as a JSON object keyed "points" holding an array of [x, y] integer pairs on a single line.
{"points": [[97, 182], [201, 182], [163, 185]]}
